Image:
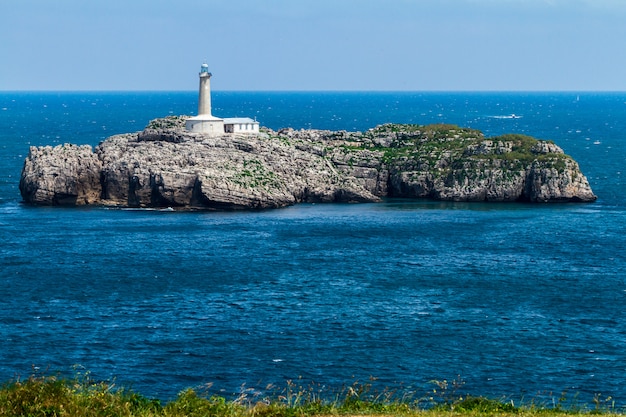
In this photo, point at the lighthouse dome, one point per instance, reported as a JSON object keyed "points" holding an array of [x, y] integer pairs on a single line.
{"points": [[204, 68]]}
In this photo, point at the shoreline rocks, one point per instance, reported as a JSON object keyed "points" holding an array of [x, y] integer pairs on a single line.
{"points": [[166, 166]]}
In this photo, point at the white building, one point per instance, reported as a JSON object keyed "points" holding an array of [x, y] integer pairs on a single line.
{"points": [[240, 125], [205, 122]]}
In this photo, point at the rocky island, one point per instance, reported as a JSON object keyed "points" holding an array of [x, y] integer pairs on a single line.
{"points": [[167, 166]]}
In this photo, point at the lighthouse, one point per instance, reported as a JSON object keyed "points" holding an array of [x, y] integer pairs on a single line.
{"points": [[204, 97], [205, 122]]}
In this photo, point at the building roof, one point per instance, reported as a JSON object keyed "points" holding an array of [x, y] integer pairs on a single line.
{"points": [[205, 117], [235, 120]]}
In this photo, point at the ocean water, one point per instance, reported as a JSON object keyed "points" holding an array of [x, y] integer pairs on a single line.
{"points": [[518, 300]]}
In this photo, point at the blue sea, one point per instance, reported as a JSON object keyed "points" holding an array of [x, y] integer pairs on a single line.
{"points": [[516, 300]]}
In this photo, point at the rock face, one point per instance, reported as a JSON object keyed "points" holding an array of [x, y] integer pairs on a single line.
{"points": [[63, 175], [166, 166]]}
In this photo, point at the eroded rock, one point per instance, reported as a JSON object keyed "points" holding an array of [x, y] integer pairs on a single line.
{"points": [[63, 175]]}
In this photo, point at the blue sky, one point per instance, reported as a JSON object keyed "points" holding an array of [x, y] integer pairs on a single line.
{"points": [[415, 45]]}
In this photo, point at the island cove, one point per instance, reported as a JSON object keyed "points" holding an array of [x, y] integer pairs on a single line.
{"points": [[165, 165]]}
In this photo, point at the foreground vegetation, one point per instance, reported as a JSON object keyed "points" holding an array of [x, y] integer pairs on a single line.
{"points": [[80, 396]]}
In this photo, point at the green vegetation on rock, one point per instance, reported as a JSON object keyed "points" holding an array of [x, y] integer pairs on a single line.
{"points": [[431, 143], [254, 175], [169, 122]]}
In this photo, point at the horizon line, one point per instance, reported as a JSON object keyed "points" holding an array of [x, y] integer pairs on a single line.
{"points": [[309, 91]]}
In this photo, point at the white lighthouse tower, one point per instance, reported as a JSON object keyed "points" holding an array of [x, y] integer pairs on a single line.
{"points": [[204, 97], [205, 122]]}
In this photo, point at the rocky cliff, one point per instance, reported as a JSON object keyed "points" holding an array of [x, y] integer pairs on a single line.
{"points": [[166, 166]]}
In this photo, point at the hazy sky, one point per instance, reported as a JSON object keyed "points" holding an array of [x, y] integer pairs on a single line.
{"points": [[313, 44]]}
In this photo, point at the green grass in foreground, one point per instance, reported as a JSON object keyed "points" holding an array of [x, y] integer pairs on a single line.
{"points": [[80, 396]]}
